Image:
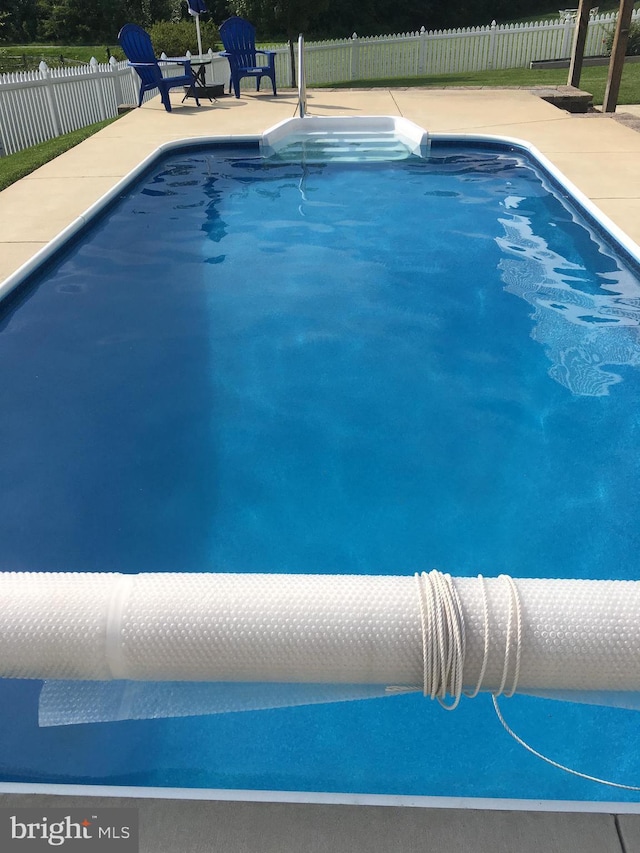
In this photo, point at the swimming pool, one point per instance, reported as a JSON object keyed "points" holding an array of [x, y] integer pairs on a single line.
{"points": [[316, 378]]}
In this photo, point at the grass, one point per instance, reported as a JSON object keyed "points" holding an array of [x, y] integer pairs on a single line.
{"points": [[594, 80], [27, 57], [16, 166]]}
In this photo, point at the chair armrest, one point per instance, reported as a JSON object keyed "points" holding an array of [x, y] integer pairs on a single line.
{"points": [[271, 58], [224, 53]]}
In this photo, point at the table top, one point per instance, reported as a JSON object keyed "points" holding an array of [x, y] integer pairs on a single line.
{"points": [[194, 60]]}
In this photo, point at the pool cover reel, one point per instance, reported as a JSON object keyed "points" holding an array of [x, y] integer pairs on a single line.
{"points": [[115, 646]]}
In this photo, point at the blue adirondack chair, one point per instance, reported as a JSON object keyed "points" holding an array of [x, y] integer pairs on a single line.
{"points": [[137, 47], [239, 40]]}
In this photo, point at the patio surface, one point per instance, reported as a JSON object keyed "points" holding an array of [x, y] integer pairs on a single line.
{"points": [[602, 157]]}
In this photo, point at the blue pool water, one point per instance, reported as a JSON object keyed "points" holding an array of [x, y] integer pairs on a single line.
{"points": [[376, 368]]}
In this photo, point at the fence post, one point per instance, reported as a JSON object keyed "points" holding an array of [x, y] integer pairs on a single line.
{"points": [[569, 28], [287, 64], [54, 115], [491, 49], [354, 71], [422, 53], [117, 85], [93, 63]]}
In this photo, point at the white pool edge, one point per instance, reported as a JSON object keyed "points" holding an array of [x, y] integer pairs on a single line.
{"points": [[320, 798]]}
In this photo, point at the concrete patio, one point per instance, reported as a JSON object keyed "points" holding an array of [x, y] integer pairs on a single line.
{"points": [[598, 154], [199, 825]]}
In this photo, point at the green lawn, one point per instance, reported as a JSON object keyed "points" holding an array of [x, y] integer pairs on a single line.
{"points": [[27, 57], [16, 166], [593, 80]]}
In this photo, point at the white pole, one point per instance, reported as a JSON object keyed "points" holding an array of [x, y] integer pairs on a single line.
{"points": [[199, 36]]}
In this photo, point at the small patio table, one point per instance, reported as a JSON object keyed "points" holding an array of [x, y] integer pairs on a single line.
{"points": [[198, 89]]}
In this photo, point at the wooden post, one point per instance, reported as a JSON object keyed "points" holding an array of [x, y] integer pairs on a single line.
{"points": [[579, 41], [618, 51]]}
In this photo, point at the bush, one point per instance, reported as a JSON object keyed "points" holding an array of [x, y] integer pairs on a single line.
{"points": [[175, 39], [633, 45]]}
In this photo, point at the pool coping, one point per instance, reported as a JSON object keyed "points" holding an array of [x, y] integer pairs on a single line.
{"points": [[324, 798]]}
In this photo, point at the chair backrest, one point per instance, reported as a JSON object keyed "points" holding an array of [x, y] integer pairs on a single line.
{"points": [[136, 44], [239, 37]]}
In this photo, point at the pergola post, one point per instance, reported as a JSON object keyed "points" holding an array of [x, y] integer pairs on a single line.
{"points": [[618, 51], [579, 41]]}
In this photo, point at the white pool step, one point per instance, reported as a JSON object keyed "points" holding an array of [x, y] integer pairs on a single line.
{"points": [[344, 139], [351, 147]]}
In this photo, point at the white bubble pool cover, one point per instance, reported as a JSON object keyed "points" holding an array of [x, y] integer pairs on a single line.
{"points": [[115, 646]]}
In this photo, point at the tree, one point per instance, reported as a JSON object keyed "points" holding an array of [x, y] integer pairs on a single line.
{"points": [[380, 17], [21, 20], [76, 21], [4, 25], [95, 21]]}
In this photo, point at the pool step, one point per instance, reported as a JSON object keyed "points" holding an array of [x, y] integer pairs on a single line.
{"points": [[347, 148], [350, 139]]}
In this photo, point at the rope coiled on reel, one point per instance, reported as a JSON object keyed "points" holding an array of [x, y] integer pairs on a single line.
{"points": [[444, 639], [444, 648]]}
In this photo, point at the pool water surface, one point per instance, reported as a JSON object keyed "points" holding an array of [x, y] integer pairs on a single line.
{"points": [[258, 366]]}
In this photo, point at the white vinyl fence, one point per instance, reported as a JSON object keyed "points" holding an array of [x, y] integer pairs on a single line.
{"points": [[496, 46], [38, 105]]}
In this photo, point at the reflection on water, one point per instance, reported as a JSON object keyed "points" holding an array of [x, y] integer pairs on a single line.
{"points": [[586, 322]]}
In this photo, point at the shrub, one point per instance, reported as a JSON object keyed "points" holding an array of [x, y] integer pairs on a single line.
{"points": [[633, 45], [175, 39]]}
